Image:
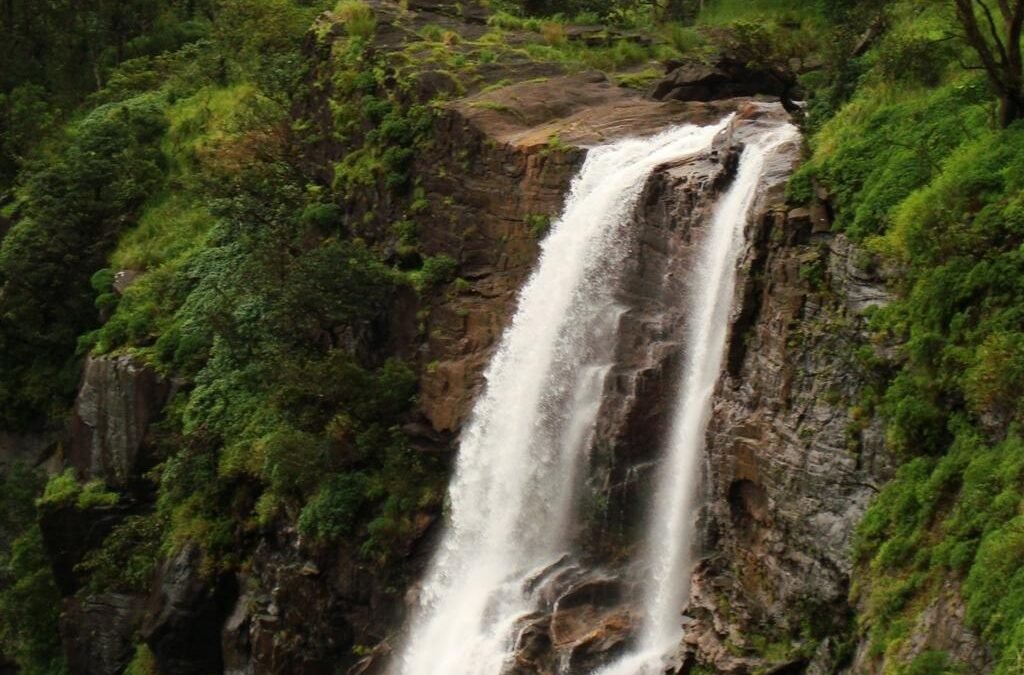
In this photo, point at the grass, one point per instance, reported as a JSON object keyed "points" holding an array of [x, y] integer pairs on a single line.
{"points": [[173, 222], [722, 12], [172, 226], [358, 18]]}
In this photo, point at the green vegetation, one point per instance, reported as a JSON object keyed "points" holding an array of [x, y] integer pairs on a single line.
{"points": [[65, 490], [921, 174], [29, 601]]}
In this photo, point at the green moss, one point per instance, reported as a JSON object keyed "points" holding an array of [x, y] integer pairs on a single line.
{"points": [[143, 662], [64, 489]]}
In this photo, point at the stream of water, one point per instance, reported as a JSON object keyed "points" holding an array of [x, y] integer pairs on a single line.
{"points": [[512, 496], [673, 518]]}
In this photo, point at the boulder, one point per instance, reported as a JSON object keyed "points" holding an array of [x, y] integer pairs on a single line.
{"points": [[185, 614], [118, 399], [727, 77], [98, 632]]}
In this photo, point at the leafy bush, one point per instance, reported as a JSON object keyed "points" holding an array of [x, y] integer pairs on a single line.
{"points": [[357, 17], [436, 270], [64, 490], [332, 513], [74, 206], [29, 600], [128, 557]]}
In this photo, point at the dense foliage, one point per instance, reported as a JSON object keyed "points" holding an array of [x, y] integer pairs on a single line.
{"points": [[253, 294], [922, 175]]}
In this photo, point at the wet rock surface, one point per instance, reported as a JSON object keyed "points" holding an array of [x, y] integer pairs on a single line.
{"points": [[790, 467], [583, 621]]}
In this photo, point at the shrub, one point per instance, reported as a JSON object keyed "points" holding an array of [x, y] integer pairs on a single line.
{"points": [[553, 33], [436, 270], [358, 18], [128, 557], [29, 606], [332, 513]]}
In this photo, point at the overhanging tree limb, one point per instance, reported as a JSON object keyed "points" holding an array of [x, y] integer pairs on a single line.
{"points": [[998, 48]]}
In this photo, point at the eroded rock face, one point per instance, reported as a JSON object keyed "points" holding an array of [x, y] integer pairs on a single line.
{"points": [[184, 616], [117, 401], [494, 207], [575, 632], [790, 466], [726, 77], [98, 632]]}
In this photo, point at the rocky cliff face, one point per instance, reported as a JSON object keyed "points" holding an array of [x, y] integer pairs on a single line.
{"points": [[118, 399], [790, 466]]}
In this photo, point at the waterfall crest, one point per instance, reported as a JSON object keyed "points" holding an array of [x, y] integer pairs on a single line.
{"points": [[512, 493]]}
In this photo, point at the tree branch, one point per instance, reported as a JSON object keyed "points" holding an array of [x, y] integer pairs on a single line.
{"points": [[976, 39], [1004, 57]]}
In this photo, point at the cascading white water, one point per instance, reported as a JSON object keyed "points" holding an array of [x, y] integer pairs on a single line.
{"points": [[511, 497], [671, 529]]}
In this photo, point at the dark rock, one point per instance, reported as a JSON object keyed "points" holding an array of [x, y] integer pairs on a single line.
{"points": [[236, 644], [70, 532], [304, 616], [118, 399], [98, 632], [32, 448], [696, 80], [185, 615], [469, 11], [430, 84]]}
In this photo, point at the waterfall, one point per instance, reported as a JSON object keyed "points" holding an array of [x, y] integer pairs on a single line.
{"points": [[512, 494], [671, 528]]}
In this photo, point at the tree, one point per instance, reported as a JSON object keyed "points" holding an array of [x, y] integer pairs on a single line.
{"points": [[996, 40]]}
